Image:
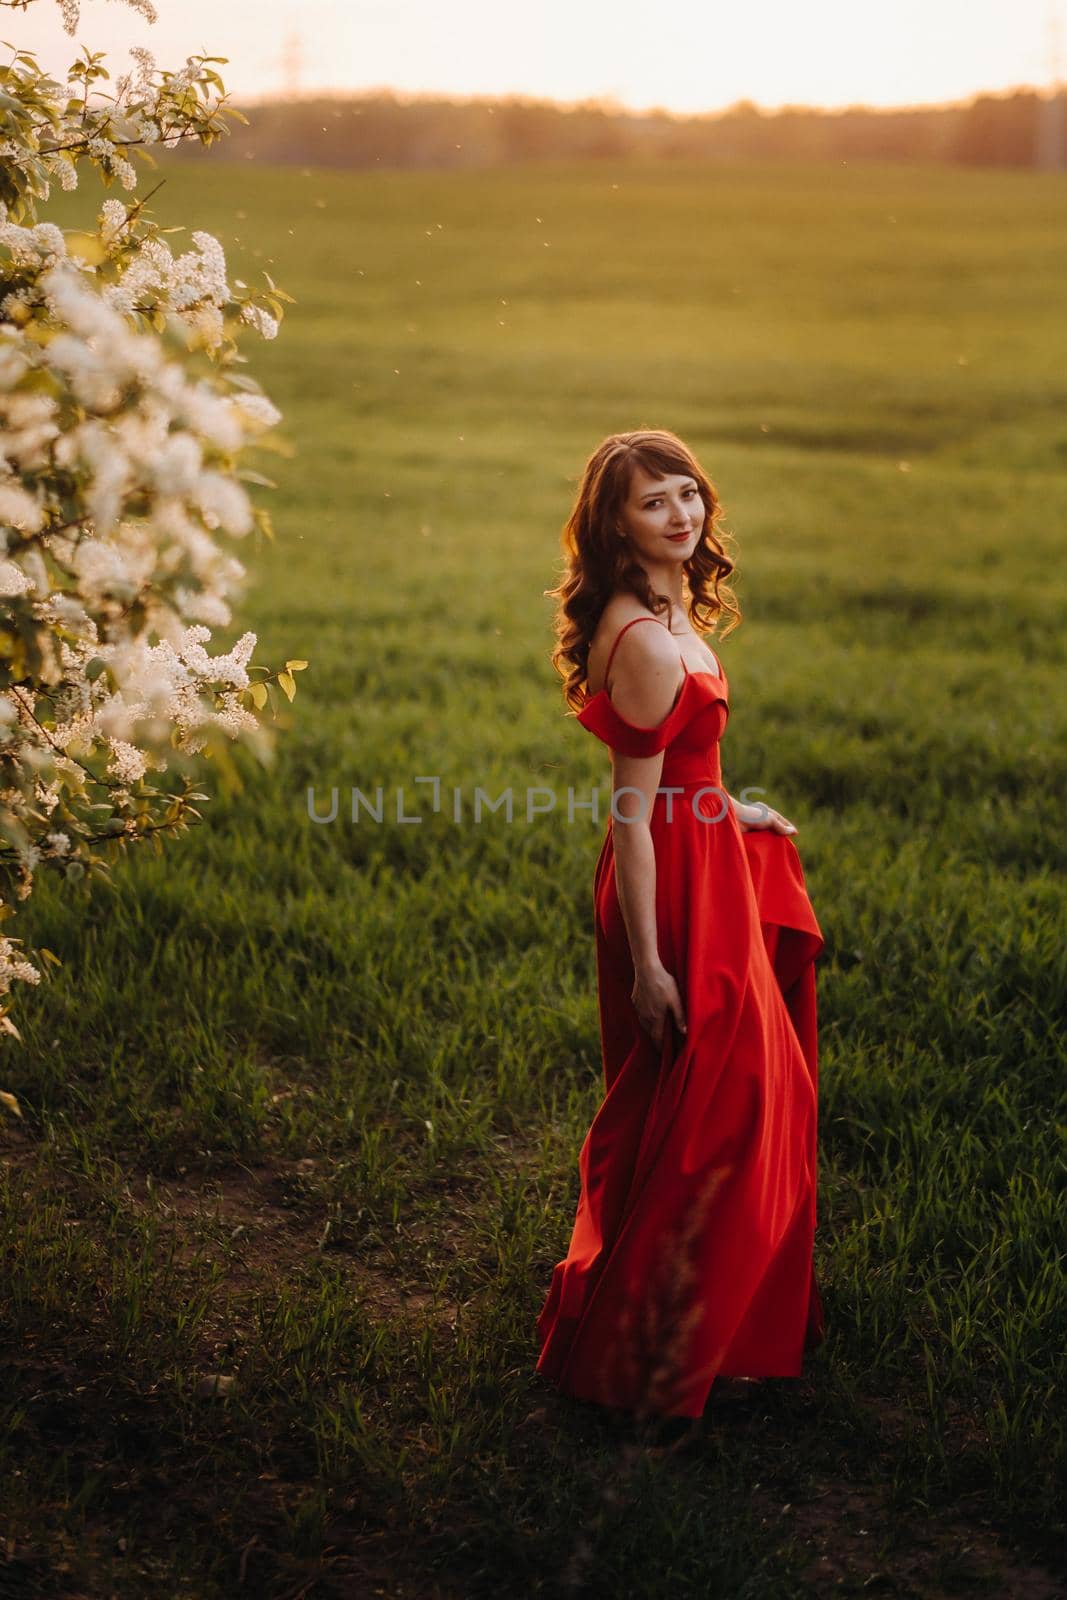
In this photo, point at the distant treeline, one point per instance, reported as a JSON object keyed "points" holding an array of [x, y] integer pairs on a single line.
{"points": [[1019, 129]]}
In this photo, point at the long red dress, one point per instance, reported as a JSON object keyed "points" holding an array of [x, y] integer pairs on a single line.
{"points": [[691, 1254]]}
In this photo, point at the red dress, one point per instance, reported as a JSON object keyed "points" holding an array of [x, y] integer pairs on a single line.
{"points": [[691, 1254]]}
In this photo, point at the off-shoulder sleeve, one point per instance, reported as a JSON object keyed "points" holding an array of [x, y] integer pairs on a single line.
{"points": [[602, 718]]}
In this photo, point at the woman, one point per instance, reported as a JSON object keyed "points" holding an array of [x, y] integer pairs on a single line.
{"points": [[690, 1262]]}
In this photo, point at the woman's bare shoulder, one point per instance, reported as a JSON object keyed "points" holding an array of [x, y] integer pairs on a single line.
{"points": [[620, 610], [644, 643]]}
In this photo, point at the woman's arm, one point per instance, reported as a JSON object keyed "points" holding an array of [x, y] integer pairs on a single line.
{"points": [[655, 991], [635, 856], [643, 691]]}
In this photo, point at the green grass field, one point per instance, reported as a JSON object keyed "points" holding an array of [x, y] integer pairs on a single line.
{"points": [[303, 1104]]}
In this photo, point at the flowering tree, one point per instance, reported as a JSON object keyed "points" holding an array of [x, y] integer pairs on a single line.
{"points": [[124, 427]]}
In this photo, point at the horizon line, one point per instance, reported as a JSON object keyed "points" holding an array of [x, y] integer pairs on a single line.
{"points": [[614, 106]]}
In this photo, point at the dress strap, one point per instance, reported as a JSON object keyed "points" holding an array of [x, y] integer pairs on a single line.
{"points": [[619, 635]]}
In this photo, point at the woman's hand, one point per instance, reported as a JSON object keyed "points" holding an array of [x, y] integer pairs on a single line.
{"points": [[760, 816], [655, 995]]}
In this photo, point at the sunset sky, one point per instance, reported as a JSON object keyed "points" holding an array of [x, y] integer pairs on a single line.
{"points": [[685, 55]]}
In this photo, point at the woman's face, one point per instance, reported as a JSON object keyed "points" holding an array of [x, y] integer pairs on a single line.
{"points": [[662, 516]]}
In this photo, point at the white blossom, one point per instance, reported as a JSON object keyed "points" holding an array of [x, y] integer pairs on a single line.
{"points": [[201, 273], [222, 502], [210, 414], [62, 169], [49, 240], [118, 488], [13, 580], [256, 411], [13, 966], [177, 463], [71, 8], [26, 426], [113, 219], [261, 320], [124, 170], [146, 66], [198, 605], [18, 507], [127, 763], [207, 324]]}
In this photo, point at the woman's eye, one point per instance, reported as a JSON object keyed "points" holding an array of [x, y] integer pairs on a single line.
{"points": [[651, 504]]}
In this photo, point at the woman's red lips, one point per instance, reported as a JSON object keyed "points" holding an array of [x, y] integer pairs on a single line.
{"points": [[678, 536]]}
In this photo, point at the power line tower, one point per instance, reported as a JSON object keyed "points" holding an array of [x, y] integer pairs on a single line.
{"points": [[1051, 145], [292, 61]]}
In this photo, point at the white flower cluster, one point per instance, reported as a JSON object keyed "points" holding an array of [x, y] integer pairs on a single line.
{"points": [[193, 284], [146, 66], [13, 966], [71, 9], [261, 320], [60, 168], [118, 475], [112, 160], [161, 689], [31, 247], [154, 442]]}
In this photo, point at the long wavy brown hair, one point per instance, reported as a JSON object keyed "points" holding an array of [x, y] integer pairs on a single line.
{"points": [[598, 563]]}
